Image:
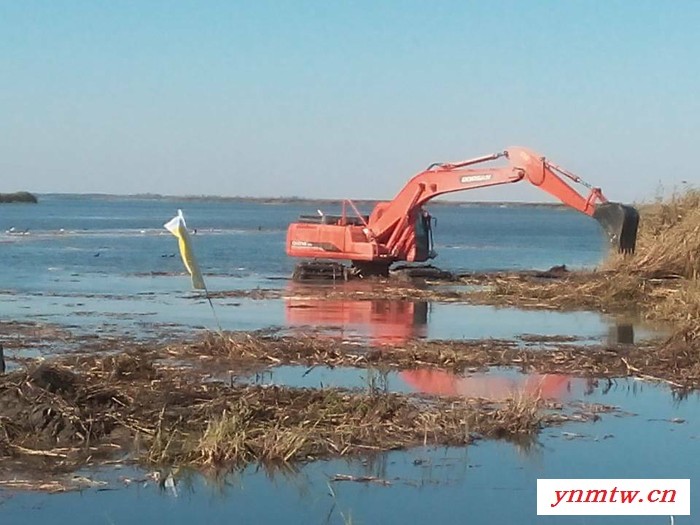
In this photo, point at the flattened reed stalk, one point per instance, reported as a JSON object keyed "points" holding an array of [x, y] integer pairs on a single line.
{"points": [[243, 345], [604, 291], [270, 349], [667, 300], [682, 351], [679, 304]]}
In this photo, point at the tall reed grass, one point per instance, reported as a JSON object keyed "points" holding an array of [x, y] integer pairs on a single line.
{"points": [[668, 241]]}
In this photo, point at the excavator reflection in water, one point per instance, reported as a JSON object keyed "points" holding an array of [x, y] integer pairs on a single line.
{"points": [[492, 386], [380, 321], [498, 386], [391, 322]]}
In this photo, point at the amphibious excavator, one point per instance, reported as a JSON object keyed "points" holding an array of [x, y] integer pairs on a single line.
{"points": [[401, 229]]}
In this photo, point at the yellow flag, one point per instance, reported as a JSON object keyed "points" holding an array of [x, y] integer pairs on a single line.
{"points": [[178, 228]]}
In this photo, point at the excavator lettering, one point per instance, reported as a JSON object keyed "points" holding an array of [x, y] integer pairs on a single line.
{"points": [[400, 229]]}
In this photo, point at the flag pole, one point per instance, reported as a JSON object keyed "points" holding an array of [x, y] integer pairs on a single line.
{"points": [[213, 311]]}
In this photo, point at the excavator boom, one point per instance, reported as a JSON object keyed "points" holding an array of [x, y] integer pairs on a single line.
{"points": [[400, 229], [619, 221]]}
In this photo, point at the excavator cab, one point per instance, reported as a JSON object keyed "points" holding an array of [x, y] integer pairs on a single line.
{"points": [[620, 222]]}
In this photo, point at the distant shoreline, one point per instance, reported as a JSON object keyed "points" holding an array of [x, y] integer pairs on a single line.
{"points": [[18, 197], [287, 200]]}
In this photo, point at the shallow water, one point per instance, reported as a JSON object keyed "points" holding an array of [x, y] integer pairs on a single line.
{"points": [[390, 321], [93, 237], [373, 322], [496, 384], [106, 266]]}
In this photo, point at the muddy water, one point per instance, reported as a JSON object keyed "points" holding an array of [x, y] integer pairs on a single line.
{"points": [[652, 434]]}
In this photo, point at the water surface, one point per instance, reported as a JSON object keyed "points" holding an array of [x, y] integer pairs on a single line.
{"points": [[105, 266]]}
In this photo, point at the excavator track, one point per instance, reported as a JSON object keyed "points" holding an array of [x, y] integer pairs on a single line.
{"points": [[335, 271], [324, 271], [321, 271]]}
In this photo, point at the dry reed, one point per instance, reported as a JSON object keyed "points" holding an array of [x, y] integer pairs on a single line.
{"points": [[668, 242]]}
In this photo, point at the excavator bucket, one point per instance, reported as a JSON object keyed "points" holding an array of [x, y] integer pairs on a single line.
{"points": [[620, 223]]}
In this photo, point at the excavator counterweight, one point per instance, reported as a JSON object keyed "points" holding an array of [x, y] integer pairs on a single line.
{"points": [[400, 229]]}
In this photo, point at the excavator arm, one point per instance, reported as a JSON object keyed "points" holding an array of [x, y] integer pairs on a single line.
{"points": [[389, 221]]}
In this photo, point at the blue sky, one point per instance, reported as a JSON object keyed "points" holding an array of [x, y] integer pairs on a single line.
{"points": [[343, 99]]}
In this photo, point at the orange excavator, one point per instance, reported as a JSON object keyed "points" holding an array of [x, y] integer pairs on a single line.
{"points": [[400, 229]]}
